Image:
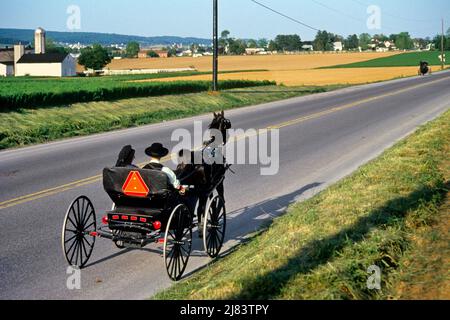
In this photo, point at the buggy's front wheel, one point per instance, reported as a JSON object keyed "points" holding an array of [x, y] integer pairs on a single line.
{"points": [[178, 242], [79, 223]]}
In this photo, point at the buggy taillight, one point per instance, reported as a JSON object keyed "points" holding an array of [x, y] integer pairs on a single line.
{"points": [[115, 217], [143, 220], [105, 220], [157, 225]]}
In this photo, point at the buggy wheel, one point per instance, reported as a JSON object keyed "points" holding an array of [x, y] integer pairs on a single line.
{"points": [[178, 242], [80, 221], [214, 226]]}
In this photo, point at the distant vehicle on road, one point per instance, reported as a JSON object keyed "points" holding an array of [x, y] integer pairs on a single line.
{"points": [[424, 68]]}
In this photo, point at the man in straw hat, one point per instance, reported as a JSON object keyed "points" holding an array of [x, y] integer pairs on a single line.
{"points": [[156, 152]]}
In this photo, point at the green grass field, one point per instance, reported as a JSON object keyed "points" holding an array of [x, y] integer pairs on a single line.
{"points": [[24, 92], [323, 247], [410, 59], [29, 126]]}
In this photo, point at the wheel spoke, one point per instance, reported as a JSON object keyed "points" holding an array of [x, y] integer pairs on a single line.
{"points": [[91, 245], [71, 238], [70, 248], [92, 223], [74, 251], [84, 249], [73, 223], [86, 218]]}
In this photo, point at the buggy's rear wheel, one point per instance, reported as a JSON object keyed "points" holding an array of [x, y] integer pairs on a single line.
{"points": [[79, 223], [214, 226], [178, 242]]}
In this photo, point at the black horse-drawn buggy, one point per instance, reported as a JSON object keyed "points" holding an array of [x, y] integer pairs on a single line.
{"points": [[424, 68], [147, 209]]}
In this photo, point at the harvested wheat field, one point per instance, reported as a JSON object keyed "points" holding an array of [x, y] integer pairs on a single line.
{"points": [[313, 77], [230, 63]]}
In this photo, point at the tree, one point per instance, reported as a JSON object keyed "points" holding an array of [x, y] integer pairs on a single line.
{"points": [[288, 42], [224, 41], [263, 43], [152, 54], [225, 34], [323, 41], [364, 41], [403, 41], [437, 43], [380, 37], [237, 47], [273, 46], [132, 49], [252, 43], [172, 52], [95, 57], [352, 42]]}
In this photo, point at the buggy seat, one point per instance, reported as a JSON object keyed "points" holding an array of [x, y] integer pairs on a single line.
{"points": [[120, 182]]}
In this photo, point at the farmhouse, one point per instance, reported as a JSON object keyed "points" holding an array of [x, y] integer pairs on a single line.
{"points": [[24, 62]]}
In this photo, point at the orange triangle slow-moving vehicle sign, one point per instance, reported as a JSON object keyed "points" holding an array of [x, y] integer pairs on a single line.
{"points": [[135, 186]]}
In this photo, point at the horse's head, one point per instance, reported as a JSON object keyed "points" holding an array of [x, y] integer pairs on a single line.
{"points": [[221, 123]]}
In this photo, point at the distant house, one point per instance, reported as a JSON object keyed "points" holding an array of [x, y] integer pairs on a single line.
{"points": [[143, 54], [308, 47], [6, 69], [46, 65], [253, 51], [338, 46]]}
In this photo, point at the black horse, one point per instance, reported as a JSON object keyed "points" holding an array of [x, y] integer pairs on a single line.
{"points": [[206, 175]]}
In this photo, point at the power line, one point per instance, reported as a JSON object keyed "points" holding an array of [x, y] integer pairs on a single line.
{"points": [[285, 16], [389, 28]]}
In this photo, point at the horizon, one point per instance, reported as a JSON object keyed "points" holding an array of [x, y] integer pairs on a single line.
{"points": [[187, 21]]}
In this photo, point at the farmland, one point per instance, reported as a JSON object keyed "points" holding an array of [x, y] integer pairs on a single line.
{"points": [[295, 70], [315, 77], [269, 62], [409, 59]]}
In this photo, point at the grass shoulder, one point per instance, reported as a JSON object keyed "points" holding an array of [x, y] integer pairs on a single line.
{"points": [[322, 248]]}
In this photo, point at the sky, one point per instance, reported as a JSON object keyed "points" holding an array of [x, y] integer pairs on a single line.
{"points": [[244, 18]]}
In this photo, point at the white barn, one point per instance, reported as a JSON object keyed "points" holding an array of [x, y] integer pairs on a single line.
{"points": [[46, 65]]}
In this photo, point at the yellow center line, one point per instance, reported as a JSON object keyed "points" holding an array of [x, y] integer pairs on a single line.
{"points": [[97, 178]]}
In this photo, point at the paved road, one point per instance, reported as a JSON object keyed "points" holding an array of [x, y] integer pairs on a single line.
{"points": [[323, 138]]}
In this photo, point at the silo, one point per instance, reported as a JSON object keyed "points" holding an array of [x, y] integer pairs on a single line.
{"points": [[39, 41]]}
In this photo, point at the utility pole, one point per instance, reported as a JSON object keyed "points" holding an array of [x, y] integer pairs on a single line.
{"points": [[442, 46], [216, 46]]}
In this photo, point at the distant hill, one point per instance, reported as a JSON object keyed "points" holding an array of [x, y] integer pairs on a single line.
{"points": [[12, 36]]}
